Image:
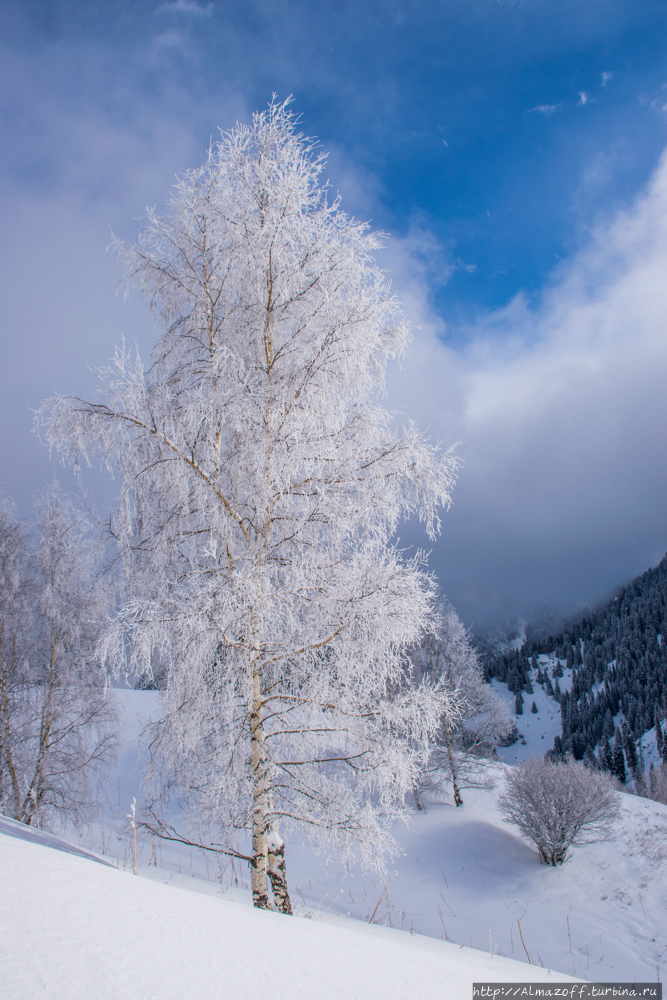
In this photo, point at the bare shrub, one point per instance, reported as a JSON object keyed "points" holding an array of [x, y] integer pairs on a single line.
{"points": [[559, 805]]}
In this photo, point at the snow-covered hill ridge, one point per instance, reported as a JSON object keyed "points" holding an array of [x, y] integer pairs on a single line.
{"points": [[71, 929], [463, 875]]}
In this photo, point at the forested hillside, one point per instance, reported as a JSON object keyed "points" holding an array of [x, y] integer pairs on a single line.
{"points": [[609, 673]]}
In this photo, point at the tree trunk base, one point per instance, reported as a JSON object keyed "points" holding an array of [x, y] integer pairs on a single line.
{"points": [[278, 875], [260, 900]]}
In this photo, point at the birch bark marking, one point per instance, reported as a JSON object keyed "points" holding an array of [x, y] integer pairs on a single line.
{"points": [[452, 764], [260, 895], [277, 872]]}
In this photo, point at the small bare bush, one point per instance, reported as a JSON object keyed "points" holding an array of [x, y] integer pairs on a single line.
{"points": [[559, 805]]}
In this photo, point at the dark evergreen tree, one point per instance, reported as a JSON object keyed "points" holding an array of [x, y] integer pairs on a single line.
{"points": [[578, 744], [518, 703], [533, 708], [605, 756], [657, 722], [558, 752], [514, 681], [631, 752], [618, 764]]}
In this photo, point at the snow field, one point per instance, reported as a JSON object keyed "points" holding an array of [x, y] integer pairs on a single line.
{"points": [[464, 878], [464, 875], [538, 729], [72, 928]]}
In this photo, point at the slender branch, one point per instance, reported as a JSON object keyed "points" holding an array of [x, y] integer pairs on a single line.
{"points": [[191, 843], [105, 411]]}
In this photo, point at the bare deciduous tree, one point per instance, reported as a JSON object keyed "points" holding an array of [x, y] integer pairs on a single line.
{"points": [[559, 805], [263, 486], [58, 723]]}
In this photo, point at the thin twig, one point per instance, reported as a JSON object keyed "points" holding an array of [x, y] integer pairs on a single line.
{"points": [[377, 905], [530, 961], [447, 904]]}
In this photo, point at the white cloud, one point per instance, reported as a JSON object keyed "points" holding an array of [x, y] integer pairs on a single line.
{"points": [[545, 109], [562, 412], [584, 98], [605, 78], [185, 7]]}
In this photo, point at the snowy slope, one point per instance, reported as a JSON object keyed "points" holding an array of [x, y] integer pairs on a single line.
{"points": [[537, 729], [467, 876], [464, 875], [72, 928]]}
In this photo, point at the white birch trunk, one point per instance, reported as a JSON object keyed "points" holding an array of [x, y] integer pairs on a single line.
{"points": [[260, 895], [453, 770]]}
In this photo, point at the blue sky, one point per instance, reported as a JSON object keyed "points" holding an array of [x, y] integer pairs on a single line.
{"points": [[512, 150]]}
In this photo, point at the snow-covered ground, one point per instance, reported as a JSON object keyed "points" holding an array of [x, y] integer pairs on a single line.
{"points": [[536, 730], [464, 880], [72, 928]]}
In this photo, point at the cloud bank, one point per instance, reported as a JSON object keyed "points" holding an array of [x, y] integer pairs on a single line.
{"points": [[560, 408]]}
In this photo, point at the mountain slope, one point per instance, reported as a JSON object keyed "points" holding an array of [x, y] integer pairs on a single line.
{"points": [[608, 674]]}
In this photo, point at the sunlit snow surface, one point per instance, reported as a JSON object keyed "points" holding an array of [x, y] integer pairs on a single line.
{"points": [[72, 929], [464, 876]]}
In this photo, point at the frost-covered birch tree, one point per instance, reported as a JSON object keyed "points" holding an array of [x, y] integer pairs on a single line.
{"points": [[263, 485], [57, 721], [467, 736]]}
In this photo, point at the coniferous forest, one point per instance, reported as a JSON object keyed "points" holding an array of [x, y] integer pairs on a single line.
{"points": [[608, 671]]}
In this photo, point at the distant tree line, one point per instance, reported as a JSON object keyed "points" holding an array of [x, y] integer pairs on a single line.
{"points": [[617, 661]]}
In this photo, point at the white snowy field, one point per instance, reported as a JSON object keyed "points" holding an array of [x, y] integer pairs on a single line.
{"points": [[464, 880], [75, 928]]}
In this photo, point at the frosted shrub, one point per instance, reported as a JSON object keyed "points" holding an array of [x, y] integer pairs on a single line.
{"points": [[559, 805]]}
